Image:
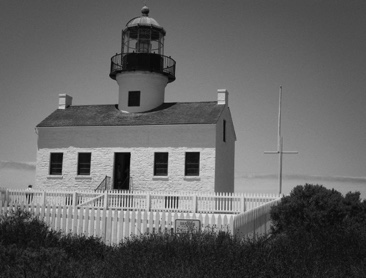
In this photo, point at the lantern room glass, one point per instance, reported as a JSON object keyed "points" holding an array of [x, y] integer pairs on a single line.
{"points": [[142, 40]]}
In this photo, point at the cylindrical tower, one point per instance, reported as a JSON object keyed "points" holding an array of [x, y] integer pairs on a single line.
{"points": [[141, 70]]}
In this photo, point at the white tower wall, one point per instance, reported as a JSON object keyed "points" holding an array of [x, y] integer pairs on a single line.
{"points": [[151, 86]]}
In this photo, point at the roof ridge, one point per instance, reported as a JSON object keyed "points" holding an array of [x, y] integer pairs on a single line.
{"points": [[94, 105], [202, 112], [114, 104]]}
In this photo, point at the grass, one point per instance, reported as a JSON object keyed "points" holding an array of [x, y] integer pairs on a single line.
{"points": [[29, 249]]}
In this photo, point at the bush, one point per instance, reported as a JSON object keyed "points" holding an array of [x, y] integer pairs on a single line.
{"points": [[324, 232], [340, 253], [313, 208], [28, 248], [24, 230], [77, 246], [204, 254], [30, 262]]}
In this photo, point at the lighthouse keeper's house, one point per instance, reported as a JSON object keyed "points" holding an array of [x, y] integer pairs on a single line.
{"points": [[141, 143]]}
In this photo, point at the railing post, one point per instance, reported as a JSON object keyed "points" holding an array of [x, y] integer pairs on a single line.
{"points": [[106, 199], [194, 199]]}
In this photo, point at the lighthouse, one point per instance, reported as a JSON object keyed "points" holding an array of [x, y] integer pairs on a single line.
{"points": [[141, 142], [141, 70]]}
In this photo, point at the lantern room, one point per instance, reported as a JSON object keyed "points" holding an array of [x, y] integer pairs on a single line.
{"points": [[143, 35], [142, 48]]}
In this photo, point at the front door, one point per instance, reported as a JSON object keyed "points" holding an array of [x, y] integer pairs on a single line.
{"points": [[122, 171]]}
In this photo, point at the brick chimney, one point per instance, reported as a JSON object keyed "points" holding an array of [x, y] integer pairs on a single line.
{"points": [[64, 101]]}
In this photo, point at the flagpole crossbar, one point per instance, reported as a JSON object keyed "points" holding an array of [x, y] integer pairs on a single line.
{"points": [[286, 152]]}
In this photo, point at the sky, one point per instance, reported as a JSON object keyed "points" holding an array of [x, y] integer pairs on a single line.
{"points": [[314, 49]]}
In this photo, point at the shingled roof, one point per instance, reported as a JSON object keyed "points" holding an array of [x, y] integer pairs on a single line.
{"points": [[109, 115]]}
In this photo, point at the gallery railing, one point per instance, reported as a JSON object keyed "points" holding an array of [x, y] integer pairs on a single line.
{"points": [[143, 62]]}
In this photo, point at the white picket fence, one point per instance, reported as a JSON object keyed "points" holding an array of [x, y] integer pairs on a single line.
{"points": [[113, 225], [254, 222], [189, 202]]}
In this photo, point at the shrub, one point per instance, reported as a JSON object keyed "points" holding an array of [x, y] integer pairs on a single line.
{"points": [[313, 208], [78, 246], [204, 254], [324, 232], [30, 262], [21, 228], [28, 248], [340, 253]]}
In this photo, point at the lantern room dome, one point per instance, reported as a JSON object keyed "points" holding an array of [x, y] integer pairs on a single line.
{"points": [[144, 20]]}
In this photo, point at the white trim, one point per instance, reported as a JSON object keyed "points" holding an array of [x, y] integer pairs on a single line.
{"points": [[55, 177], [160, 178], [192, 178]]}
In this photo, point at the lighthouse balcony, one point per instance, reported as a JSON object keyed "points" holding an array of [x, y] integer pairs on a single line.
{"points": [[143, 62]]}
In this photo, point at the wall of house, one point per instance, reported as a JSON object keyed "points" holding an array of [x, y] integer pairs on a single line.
{"points": [[225, 154], [142, 142]]}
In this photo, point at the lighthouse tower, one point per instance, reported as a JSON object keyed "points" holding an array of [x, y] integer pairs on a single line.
{"points": [[141, 69]]}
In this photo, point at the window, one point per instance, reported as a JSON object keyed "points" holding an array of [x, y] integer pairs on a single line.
{"points": [[224, 131], [192, 165], [56, 163], [84, 163], [134, 98], [143, 46], [161, 164]]}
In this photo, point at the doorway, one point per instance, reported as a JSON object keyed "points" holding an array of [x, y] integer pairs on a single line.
{"points": [[122, 171]]}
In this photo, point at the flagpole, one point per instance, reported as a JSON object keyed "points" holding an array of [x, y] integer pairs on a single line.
{"points": [[280, 150], [279, 142]]}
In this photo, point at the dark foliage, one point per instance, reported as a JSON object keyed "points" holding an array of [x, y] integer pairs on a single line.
{"points": [[314, 208], [327, 232], [23, 230], [32, 250], [28, 248]]}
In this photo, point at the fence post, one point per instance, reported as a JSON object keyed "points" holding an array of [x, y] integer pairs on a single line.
{"points": [[194, 199], [106, 199], [148, 202], [74, 199], [242, 201], [7, 199], [255, 215], [43, 197]]}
